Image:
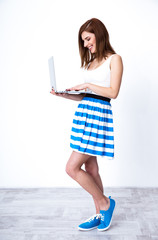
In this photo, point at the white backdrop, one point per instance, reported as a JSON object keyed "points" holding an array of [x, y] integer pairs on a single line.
{"points": [[35, 126]]}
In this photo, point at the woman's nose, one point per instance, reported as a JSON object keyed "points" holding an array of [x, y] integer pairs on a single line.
{"points": [[85, 44]]}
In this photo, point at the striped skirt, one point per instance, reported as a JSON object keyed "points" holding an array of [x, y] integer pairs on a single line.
{"points": [[92, 131]]}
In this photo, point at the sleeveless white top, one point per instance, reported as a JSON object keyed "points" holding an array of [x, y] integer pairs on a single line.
{"points": [[99, 76]]}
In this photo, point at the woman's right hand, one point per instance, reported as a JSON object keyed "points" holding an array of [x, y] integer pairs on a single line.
{"points": [[65, 95], [53, 92]]}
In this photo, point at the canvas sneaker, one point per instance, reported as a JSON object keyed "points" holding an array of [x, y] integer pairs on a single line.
{"points": [[106, 216], [91, 223]]}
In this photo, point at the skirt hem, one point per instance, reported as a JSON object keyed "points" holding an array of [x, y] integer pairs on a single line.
{"points": [[108, 158]]}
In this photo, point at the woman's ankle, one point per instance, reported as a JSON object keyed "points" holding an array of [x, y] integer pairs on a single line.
{"points": [[104, 203], [98, 211]]}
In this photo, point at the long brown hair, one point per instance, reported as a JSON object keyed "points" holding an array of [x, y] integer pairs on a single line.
{"points": [[103, 46]]}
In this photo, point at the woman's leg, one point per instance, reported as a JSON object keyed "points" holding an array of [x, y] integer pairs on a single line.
{"points": [[91, 167], [73, 169]]}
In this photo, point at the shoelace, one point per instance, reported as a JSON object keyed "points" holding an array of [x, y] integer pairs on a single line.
{"points": [[97, 216], [104, 220], [102, 217]]}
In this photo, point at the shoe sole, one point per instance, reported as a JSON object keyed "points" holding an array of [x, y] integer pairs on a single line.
{"points": [[88, 229], [104, 229]]}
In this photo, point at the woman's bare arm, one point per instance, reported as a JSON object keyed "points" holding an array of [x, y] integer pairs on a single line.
{"points": [[115, 81], [75, 97]]}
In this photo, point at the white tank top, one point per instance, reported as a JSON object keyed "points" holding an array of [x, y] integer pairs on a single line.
{"points": [[99, 76]]}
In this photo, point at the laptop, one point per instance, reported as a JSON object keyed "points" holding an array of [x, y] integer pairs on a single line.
{"points": [[53, 79]]}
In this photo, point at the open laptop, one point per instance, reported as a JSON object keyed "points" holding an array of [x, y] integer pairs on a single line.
{"points": [[53, 79]]}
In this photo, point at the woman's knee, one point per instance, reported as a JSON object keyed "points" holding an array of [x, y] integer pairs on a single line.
{"points": [[70, 170], [91, 166], [75, 163], [72, 166]]}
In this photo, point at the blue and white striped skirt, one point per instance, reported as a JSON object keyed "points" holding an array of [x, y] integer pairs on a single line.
{"points": [[92, 131]]}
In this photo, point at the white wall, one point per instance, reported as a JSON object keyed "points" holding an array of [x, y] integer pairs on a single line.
{"points": [[35, 125]]}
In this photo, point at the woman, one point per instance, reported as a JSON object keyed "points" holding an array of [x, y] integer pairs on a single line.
{"points": [[92, 132]]}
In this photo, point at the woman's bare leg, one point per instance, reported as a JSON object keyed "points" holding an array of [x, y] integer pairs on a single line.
{"points": [[73, 169], [91, 167]]}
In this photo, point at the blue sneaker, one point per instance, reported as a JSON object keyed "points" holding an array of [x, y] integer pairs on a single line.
{"points": [[90, 223], [106, 216]]}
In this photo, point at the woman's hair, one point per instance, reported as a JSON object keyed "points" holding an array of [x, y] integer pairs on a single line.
{"points": [[103, 46]]}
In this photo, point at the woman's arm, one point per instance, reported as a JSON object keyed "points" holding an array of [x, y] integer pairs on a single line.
{"points": [[75, 97], [115, 81]]}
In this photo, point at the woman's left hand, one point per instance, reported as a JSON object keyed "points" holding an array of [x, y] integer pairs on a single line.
{"points": [[78, 87]]}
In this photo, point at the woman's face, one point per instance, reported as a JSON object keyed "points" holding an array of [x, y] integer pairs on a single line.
{"points": [[89, 41]]}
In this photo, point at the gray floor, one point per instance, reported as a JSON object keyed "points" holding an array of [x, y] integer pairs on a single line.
{"points": [[54, 213]]}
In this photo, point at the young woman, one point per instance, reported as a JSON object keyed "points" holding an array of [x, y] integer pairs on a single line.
{"points": [[92, 132]]}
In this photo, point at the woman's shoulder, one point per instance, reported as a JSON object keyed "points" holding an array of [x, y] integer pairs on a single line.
{"points": [[116, 56], [116, 60]]}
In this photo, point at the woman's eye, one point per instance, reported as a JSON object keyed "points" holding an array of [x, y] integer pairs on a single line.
{"points": [[88, 39]]}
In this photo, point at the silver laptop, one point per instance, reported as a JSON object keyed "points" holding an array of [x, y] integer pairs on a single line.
{"points": [[53, 79]]}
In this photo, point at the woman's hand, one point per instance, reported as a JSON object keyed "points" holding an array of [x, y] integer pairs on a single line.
{"points": [[76, 97], [66, 95], [78, 87]]}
